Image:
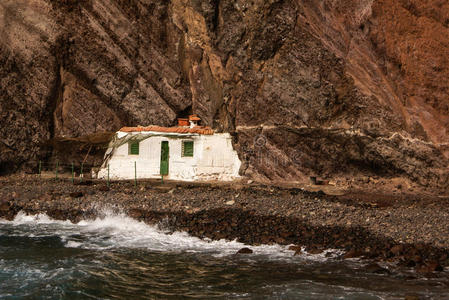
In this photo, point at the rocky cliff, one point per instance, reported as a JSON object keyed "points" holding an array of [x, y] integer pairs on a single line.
{"points": [[328, 88]]}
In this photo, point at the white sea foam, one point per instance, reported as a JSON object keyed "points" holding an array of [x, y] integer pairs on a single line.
{"points": [[114, 230], [22, 218]]}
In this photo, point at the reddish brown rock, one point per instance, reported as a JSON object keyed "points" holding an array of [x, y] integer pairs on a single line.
{"points": [[104, 188], [353, 253], [5, 206], [314, 250], [334, 88], [429, 267], [297, 249], [397, 250], [135, 213]]}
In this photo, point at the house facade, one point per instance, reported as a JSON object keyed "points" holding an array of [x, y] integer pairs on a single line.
{"points": [[187, 152]]}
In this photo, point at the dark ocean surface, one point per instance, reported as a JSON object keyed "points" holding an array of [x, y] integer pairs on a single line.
{"points": [[116, 257]]}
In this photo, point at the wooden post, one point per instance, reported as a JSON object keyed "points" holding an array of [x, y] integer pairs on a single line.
{"points": [[108, 177], [135, 174], [73, 173], [57, 167], [81, 171]]}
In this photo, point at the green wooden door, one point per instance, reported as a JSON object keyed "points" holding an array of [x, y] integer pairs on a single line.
{"points": [[164, 158]]}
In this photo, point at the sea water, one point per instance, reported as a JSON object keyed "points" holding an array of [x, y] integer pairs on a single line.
{"points": [[116, 257]]}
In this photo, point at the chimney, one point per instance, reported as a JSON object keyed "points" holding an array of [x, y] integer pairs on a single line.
{"points": [[194, 120], [183, 122]]}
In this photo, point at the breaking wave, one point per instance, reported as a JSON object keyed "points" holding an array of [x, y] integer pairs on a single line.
{"points": [[117, 230], [115, 256]]}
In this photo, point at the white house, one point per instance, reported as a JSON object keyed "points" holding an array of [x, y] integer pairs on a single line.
{"points": [[187, 152]]}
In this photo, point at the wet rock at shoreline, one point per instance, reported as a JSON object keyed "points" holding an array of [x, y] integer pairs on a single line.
{"points": [[135, 213], [429, 267], [271, 215], [297, 249], [315, 251], [411, 297], [376, 268], [245, 251], [352, 254]]}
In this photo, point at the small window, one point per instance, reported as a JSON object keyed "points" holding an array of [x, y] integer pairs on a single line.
{"points": [[187, 148], [133, 148]]}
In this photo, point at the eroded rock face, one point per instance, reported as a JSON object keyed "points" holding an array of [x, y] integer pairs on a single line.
{"points": [[306, 87]]}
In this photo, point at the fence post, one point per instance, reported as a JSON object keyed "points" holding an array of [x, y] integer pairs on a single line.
{"points": [[73, 173], [40, 168], [57, 167], [135, 174], [81, 171], [108, 177]]}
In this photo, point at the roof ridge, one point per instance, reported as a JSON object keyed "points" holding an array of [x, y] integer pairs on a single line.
{"points": [[197, 129]]}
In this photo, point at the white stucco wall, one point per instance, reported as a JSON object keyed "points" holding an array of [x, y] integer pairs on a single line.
{"points": [[213, 158]]}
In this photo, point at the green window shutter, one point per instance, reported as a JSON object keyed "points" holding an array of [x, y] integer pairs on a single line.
{"points": [[187, 148], [134, 148]]}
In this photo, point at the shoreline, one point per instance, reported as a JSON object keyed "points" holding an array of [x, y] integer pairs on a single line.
{"points": [[409, 230]]}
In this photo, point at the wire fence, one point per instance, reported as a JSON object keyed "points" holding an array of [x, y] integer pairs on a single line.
{"points": [[79, 172]]}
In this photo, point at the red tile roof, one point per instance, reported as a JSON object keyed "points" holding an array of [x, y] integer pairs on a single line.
{"points": [[196, 129], [194, 118]]}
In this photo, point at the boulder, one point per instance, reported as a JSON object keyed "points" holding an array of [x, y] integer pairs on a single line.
{"points": [[296, 248], [411, 297], [76, 194], [397, 250], [135, 213], [352, 253], [429, 267], [375, 268], [315, 251], [104, 188], [245, 251], [4, 206]]}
